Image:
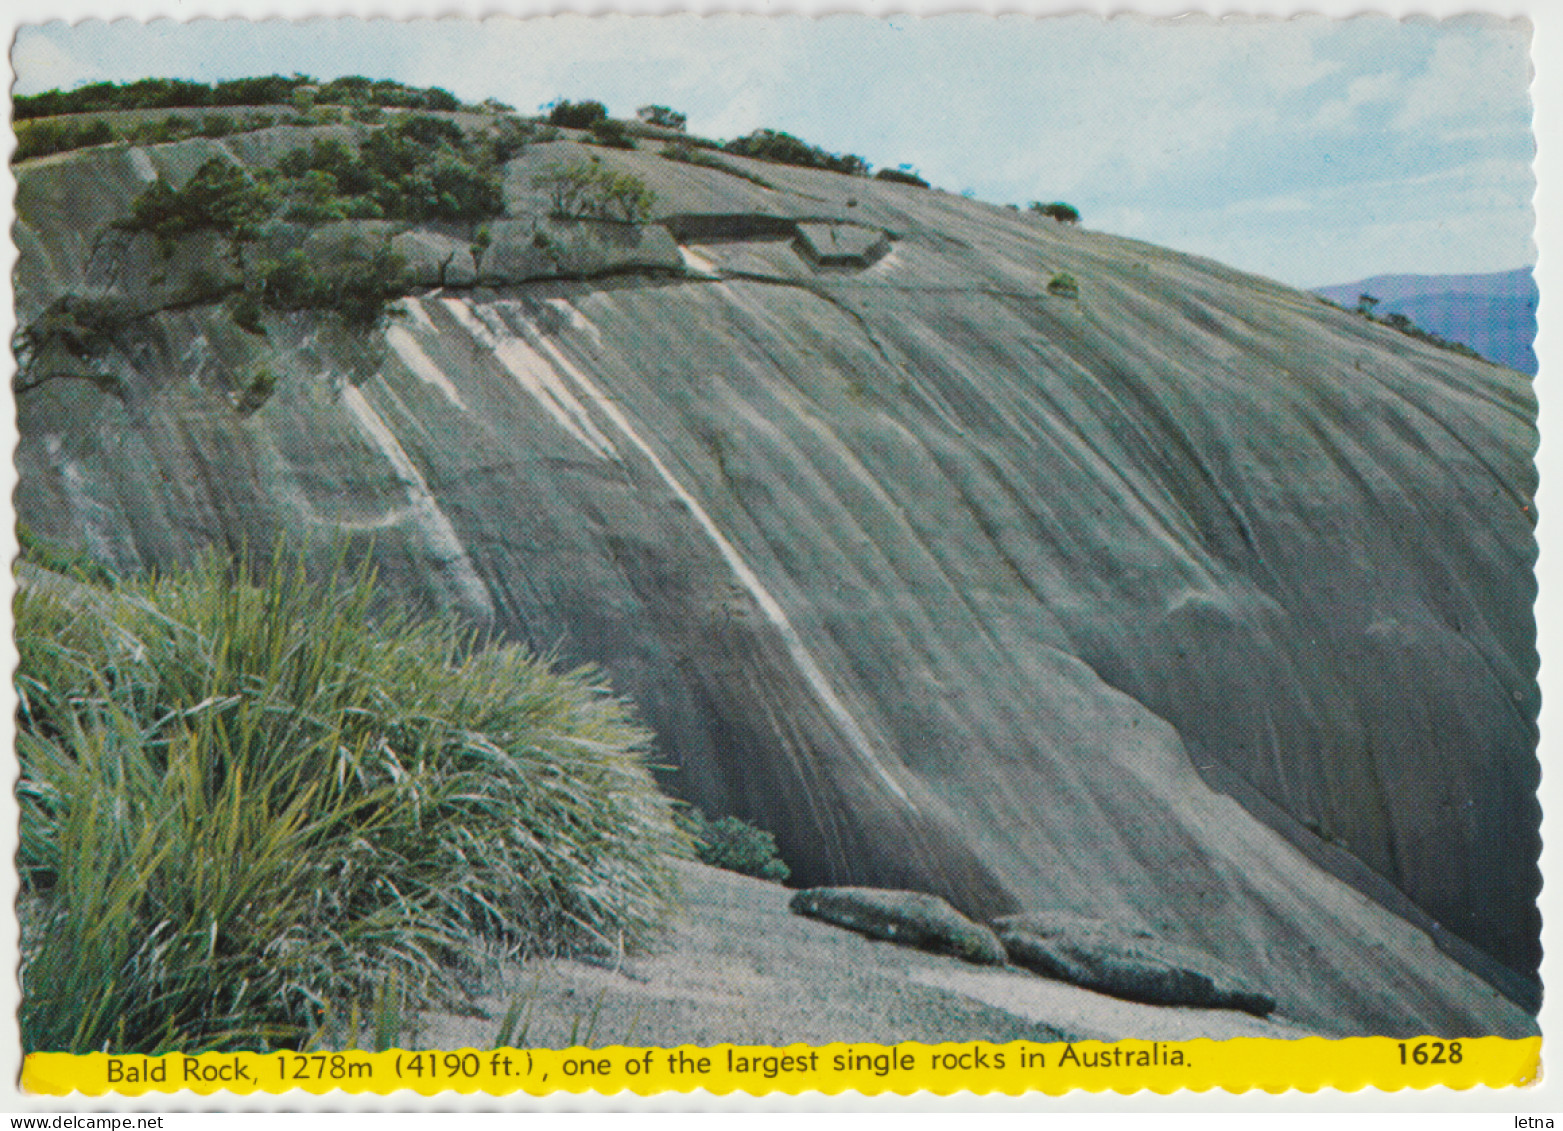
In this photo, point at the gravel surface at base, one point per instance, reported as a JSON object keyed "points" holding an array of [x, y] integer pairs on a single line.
{"points": [[738, 967]]}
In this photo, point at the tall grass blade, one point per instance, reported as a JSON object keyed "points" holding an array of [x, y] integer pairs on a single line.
{"points": [[245, 799]]}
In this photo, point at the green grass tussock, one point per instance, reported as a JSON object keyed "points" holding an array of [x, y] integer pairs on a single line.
{"points": [[244, 805]]}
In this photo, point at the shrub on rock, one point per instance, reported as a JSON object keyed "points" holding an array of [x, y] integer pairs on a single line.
{"points": [[612, 134], [734, 844], [901, 177], [1063, 285], [220, 198], [1057, 210], [576, 115], [590, 190], [663, 116], [784, 149]]}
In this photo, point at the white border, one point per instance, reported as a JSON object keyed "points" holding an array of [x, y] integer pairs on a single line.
{"points": [[1183, 1109]]}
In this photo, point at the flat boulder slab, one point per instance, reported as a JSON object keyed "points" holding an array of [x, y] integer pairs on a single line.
{"points": [[435, 260], [522, 250], [911, 918], [1133, 965], [849, 247]]}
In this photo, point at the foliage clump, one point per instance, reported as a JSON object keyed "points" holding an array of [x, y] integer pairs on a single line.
{"points": [[577, 115], [1366, 305], [1063, 285], [733, 844], [416, 168], [39, 139], [611, 133], [270, 90], [356, 288], [784, 149], [689, 154], [66, 340], [509, 136], [246, 800], [663, 116], [220, 197], [1056, 210], [590, 190], [901, 177]]}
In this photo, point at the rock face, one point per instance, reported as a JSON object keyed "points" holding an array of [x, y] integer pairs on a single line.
{"points": [[523, 250], [1136, 965], [910, 918], [1179, 604]]}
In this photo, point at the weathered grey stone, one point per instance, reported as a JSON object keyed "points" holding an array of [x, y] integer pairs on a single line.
{"points": [[953, 588], [911, 918], [523, 250], [842, 245], [343, 241], [518, 250], [435, 260], [1127, 964], [145, 275]]}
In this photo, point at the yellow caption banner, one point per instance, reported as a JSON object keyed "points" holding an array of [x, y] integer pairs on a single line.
{"points": [[1011, 1069]]}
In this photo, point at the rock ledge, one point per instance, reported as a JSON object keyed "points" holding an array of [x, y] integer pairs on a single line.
{"points": [[911, 918]]}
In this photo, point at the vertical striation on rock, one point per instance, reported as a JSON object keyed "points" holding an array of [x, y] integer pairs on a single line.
{"points": [[955, 585]]}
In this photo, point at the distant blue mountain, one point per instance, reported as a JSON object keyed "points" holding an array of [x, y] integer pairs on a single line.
{"points": [[1493, 314]]}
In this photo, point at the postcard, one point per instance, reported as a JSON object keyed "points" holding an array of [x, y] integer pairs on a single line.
{"points": [[771, 555]]}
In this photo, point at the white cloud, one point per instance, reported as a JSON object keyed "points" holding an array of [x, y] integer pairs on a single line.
{"points": [[1466, 219], [1462, 82], [42, 64], [1282, 132], [1360, 92]]}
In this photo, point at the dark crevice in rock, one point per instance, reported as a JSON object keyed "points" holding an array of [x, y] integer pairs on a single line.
{"points": [[107, 383]]}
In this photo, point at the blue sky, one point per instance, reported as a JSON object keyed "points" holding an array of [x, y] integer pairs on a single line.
{"points": [[1313, 151]]}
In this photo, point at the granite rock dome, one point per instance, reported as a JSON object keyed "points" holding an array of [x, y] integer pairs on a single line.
{"points": [[1187, 603]]}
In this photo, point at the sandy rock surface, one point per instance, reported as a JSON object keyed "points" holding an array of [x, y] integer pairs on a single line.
{"points": [[739, 967]]}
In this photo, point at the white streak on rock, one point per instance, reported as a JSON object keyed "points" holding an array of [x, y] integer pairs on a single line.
{"points": [[578, 321], [698, 263], [769, 605], [142, 164], [394, 517], [439, 536], [420, 316], [408, 349], [533, 374], [96, 521]]}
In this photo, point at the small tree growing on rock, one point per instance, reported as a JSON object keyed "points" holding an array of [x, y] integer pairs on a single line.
{"points": [[221, 197], [1057, 210], [576, 115], [589, 190], [662, 116], [611, 133], [902, 176]]}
